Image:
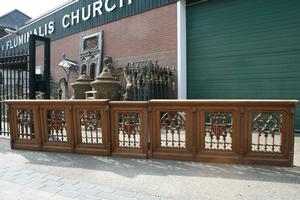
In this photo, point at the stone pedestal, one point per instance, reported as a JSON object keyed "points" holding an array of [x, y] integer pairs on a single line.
{"points": [[81, 85], [107, 87]]}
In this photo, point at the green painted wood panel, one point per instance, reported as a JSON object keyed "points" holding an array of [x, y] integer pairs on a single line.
{"points": [[246, 49]]}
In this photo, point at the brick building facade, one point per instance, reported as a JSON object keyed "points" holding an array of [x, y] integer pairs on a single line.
{"points": [[150, 35], [132, 31]]}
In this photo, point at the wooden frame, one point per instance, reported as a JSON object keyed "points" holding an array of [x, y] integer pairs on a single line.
{"points": [[129, 107], [94, 149], [263, 157], [67, 147], [153, 115], [25, 144], [171, 153], [218, 155]]}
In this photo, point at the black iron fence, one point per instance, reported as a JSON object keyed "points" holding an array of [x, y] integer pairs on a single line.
{"points": [[14, 83], [145, 81]]}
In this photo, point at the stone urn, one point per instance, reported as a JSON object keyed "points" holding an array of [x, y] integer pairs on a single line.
{"points": [[81, 85], [106, 85]]}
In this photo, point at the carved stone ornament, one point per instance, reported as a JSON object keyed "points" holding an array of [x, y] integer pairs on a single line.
{"points": [[106, 85], [81, 85]]}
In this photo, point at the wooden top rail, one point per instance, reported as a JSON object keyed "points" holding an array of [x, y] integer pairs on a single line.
{"points": [[102, 101], [220, 102], [260, 102]]}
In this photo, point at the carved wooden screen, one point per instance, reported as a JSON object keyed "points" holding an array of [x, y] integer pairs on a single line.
{"points": [[57, 129], [218, 136], [25, 127], [173, 130], [172, 135], [91, 127], [256, 132], [218, 131], [129, 130], [25, 124], [266, 132]]}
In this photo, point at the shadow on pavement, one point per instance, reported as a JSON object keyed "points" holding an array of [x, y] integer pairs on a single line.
{"points": [[128, 167]]}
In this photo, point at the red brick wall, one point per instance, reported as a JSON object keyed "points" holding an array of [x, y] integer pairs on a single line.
{"points": [[150, 35]]}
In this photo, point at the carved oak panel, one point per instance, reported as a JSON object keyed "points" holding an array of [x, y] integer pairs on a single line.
{"points": [[129, 130], [172, 130], [91, 127], [218, 131], [57, 129], [266, 132], [25, 126]]}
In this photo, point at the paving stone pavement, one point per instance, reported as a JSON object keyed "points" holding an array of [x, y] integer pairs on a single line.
{"points": [[26, 175], [19, 183]]}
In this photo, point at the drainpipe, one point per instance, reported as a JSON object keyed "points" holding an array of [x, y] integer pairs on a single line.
{"points": [[181, 50]]}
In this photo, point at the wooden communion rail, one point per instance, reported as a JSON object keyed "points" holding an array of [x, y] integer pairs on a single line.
{"points": [[230, 131]]}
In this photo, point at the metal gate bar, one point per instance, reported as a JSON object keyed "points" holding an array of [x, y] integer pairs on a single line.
{"points": [[14, 83]]}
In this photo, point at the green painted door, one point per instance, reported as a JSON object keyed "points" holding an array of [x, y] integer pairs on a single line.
{"points": [[244, 49]]}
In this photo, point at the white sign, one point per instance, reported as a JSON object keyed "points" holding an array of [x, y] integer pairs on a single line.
{"points": [[90, 11], [19, 40]]}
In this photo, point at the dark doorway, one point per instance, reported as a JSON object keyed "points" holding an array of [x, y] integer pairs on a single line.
{"points": [[36, 82]]}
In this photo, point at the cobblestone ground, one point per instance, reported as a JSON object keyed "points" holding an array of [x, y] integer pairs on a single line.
{"points": [[26, 175]]}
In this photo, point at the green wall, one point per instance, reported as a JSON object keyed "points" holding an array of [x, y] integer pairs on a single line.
{"points": [[245, 49]]}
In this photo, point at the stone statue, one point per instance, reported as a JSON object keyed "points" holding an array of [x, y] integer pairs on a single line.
{"points": [[129, 88], [59, 93], [108, 66], [107, 69]]}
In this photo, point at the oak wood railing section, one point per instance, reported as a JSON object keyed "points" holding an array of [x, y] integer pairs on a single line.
{"points": [[228, 131]]}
